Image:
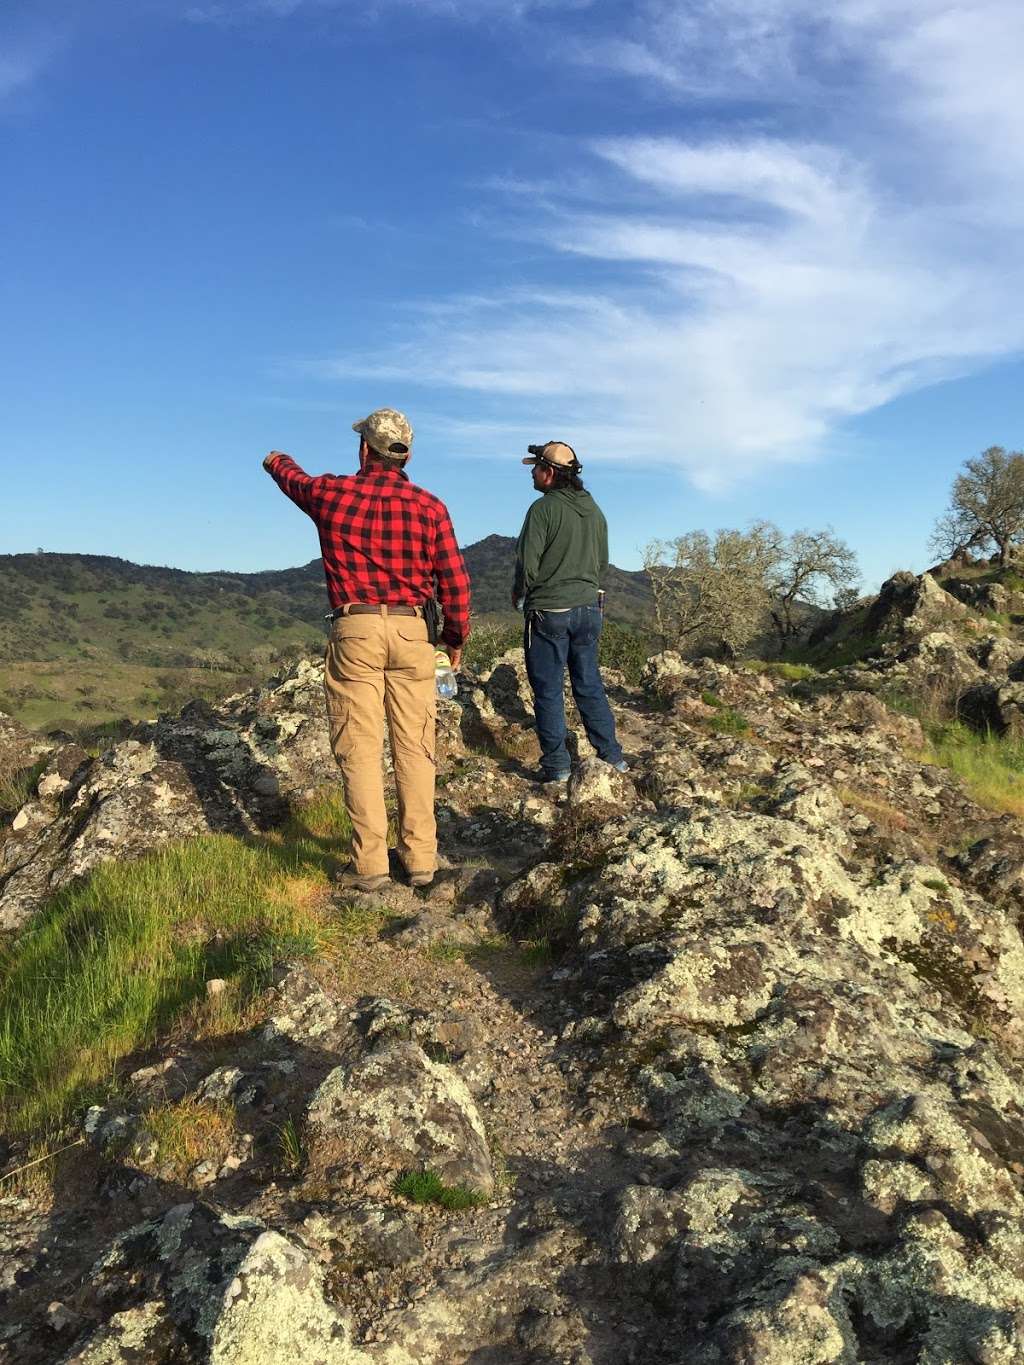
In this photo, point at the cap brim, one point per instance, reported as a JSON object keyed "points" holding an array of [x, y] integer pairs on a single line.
{"points": [[358, 426], [531, 459]]}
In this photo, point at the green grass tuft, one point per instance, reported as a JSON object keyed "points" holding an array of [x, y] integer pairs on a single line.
{"points": [[729, 722], [991, 768], [289, 1145], [780, 668], [18, 784], [424, 1187], [113, 963], [538, 952]]}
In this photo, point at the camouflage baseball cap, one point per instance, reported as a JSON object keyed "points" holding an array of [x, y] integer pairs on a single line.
{"points": [[553, 453], [386, 431]]}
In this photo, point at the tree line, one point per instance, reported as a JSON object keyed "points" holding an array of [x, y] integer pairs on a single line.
{"points": [[720, 591]]}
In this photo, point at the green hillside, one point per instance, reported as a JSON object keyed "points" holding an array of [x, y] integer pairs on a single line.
{"points": [[86, 639], [490, 562]]}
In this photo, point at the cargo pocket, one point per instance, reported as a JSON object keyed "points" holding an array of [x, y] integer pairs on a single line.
{"points": [[427, 739], [338, 710]]}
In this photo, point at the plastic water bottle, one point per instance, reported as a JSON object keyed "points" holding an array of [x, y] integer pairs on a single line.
{"points": [[444, 676]]}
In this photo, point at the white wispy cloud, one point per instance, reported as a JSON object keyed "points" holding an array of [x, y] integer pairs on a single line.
{"points": [[227, 12], [763, 289]]}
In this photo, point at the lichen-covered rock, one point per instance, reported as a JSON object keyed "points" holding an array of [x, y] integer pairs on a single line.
{"points": [[909, 605], [757, 1094], [649, 1219], [998, 655], [303, 1012], [274, 1309], [224, 768], [398, 1109], [541, 890], [137, 1334], [21, 749], [937, 666], [599, 791], [247, 1294]]}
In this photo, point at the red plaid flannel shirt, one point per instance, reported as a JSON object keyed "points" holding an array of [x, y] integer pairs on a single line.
{"points": [[382, 540]]}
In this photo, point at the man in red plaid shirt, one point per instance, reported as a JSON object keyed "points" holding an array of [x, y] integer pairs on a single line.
{"points": [[385, 544]]}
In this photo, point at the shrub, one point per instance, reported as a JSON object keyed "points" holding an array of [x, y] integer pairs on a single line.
{"points": [[625, 649], [488, 642]]}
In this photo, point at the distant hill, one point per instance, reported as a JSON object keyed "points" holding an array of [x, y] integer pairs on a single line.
{"points": [[55, 606], [490, 563], [105, 637]]}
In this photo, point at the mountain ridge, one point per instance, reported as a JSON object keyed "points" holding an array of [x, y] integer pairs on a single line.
{"points": [[95, 638]]}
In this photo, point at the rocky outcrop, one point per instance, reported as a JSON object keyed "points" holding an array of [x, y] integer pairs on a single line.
{"points": [[909, 605], [729, 1049], [986, 597], [995, 707], [247, 1294], [225, 769]]}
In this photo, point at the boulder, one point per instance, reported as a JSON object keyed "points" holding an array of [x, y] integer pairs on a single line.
{"points": [[596, 790], [142, 1333], [980, 596], [497, 709], [246, 1294], [909, 605], [20, 748], [999, 655], [398, 1109], [229, 768], [938, 667]]}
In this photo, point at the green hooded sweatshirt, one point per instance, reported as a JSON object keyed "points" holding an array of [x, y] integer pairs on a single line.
{"points": [[562, 552]]}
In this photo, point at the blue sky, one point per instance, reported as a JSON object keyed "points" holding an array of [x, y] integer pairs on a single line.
{"points": [[750, 261]]}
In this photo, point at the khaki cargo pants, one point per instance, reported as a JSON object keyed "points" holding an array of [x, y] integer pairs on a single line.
{"points": [[379, 666]]}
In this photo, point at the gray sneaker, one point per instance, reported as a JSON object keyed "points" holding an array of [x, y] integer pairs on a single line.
{"points": [[621, 767]]}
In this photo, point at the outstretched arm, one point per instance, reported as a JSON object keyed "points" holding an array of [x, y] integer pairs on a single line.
{"points": [[294, 482]]}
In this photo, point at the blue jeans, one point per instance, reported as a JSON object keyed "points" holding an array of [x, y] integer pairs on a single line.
{"points": [[553, 640]]}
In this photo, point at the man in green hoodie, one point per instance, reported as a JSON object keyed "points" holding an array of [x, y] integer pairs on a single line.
{"points": [[561, 555]]}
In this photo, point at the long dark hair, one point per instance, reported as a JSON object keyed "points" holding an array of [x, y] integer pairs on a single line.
{"points": [[565, 478]]}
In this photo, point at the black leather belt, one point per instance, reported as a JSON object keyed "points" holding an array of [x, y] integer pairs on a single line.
{"points": [[373, 609]]}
